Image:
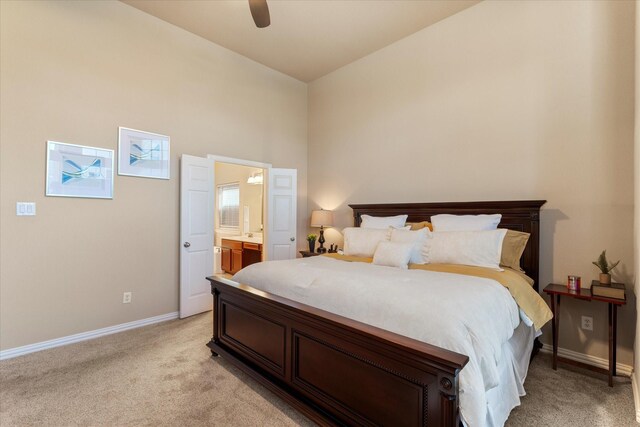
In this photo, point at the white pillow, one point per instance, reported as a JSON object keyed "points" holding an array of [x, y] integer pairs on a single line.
{"points": [[384, 222], [446, 222], [478, 248], [363, 241], [393, 254], [416, 238]]}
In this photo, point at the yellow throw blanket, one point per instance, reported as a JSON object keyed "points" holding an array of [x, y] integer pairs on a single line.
{"points": [[522, 292]]}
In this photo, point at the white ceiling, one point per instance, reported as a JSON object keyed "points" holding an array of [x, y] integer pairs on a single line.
{"points": [[306, 39]]}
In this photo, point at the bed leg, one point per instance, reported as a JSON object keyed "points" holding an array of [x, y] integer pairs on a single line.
{"points": [[210, 345]]}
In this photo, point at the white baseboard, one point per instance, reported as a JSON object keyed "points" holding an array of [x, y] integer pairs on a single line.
{"points": [[83, 336], [636, 396], [621, 369]]}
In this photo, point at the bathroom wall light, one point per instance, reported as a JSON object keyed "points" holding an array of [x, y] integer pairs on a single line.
{"points": [[255, 179]]}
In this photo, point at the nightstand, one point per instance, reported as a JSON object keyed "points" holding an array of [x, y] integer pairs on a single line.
{"points": [[555, 292], [307, 254]]}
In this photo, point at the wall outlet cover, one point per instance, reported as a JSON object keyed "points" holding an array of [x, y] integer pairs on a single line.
{"points": [[25, 208], [587, 323]]}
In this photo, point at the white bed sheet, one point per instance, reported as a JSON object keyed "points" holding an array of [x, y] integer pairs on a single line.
{"points": [[470, 315], [515, 355]]}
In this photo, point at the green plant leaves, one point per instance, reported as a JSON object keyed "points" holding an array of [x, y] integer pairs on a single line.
{"points": [[603, 264]]}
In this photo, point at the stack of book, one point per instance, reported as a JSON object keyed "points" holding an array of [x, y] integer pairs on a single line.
{"points": [[614, 290]]}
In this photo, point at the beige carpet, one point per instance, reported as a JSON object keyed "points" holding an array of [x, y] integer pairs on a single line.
{"points": [[164, 375]]}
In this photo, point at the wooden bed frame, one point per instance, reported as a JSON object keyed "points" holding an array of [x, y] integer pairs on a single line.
{"points": [[339, 371]]}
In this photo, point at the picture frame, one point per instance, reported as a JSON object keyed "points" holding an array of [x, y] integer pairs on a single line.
{"points": [[143, 154], [79, 171]]}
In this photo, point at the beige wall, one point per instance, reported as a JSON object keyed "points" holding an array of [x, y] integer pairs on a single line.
{"points": [[504, 100], [250, 195], [74, 72], [636, 365]]}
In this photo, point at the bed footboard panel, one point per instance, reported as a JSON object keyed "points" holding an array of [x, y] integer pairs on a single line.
{"points": [[335, 370], [249, 332], [329, 372]]}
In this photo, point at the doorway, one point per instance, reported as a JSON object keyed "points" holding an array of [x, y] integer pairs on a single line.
{"points": [[230, 225], [198, 208], [238, 217]]}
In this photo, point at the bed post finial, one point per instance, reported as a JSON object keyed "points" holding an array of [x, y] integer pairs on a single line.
{"points": [[357, 219]]}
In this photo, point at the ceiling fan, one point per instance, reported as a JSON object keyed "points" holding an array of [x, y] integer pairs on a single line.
{"points": [[260, 13]]}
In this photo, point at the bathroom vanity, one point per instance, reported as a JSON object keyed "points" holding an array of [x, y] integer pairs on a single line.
{"points": [[239, 252]]}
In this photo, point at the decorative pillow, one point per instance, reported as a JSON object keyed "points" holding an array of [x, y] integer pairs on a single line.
{"points": [[512, 248], [363, 241], [393, 254], [383, 222], [421, 225], [478, 248], [446, 222], [416, 238]]}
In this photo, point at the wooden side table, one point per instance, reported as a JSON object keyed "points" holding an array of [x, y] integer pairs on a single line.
{"points": [[555, 292], [307, 254]]}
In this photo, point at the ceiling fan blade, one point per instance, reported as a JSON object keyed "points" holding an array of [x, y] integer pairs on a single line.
{"points": [[260, 13]]}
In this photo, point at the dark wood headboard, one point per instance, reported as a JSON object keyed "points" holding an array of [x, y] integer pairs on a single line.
{"points": [[520, 215]]}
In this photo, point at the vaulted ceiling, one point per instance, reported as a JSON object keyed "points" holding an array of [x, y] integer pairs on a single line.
{"points": [[307, 38]]}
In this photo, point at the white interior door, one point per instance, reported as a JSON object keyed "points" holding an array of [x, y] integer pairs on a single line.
{"points": [[281, 214], [196, 234]]}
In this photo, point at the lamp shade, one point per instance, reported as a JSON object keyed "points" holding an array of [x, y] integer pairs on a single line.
{"points": [[322, 218]]}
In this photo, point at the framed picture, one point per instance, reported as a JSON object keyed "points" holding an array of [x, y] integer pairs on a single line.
{"points": [[79, 171], [143, 154]]}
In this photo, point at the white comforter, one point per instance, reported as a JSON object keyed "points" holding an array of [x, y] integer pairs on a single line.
{"points": [[469, 315]]}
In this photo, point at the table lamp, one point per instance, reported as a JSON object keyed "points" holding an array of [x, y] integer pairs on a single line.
{"points": [[321, 219]]}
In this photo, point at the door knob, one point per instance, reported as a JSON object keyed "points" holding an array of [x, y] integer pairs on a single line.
{"points": [[187, 244], [293, 239]]}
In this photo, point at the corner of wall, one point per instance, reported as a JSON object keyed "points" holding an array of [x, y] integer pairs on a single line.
{"points": [[636, 228], [636, 396]]}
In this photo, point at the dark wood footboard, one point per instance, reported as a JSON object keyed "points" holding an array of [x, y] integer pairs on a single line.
{"points": [[334, 370]]}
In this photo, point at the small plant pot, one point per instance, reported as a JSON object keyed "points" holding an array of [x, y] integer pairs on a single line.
{"points": [[605, 278], [312, 245]]}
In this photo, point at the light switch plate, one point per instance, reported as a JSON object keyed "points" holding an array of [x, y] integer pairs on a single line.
{"points": [[25, 208]]}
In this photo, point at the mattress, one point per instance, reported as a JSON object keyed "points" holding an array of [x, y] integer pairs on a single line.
{"points": [[470, 315]]}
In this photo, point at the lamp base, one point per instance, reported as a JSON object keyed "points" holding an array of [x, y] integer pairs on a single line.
{"points": [[321, 240]]}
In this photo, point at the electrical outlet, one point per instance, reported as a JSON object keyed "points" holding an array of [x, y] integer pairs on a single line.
{"points": [[126, 298], [587, 323]]}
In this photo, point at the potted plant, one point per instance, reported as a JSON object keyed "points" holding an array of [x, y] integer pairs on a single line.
{"points": [[311, 238], [605, 268]]}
